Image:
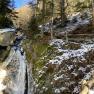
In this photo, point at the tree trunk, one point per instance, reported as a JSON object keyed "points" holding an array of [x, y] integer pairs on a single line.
{"points": [[63, 15], [93, 14], [43, 16], [52, 20]]}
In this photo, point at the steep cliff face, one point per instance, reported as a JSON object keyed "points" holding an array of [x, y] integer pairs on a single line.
{"points": [[7, 36]]}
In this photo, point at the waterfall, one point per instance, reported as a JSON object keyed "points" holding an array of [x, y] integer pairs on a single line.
{"points": [[19, 72]]}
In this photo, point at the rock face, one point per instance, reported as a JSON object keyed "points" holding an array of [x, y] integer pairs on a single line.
{"points": [[7, 37]]}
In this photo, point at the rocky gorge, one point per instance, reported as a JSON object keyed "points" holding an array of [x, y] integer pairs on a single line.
{"points": [[15, 72]]}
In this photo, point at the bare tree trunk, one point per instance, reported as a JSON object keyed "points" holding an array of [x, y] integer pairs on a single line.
{"points": [[63, 15], [43, 15], [52, 20]]}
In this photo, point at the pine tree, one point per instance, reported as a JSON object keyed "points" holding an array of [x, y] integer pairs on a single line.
{"points": [[5, 9]]}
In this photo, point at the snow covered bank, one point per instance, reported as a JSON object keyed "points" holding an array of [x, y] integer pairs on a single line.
{"points": [[67, 54]]}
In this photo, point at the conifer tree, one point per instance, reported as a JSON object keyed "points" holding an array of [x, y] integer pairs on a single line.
{"points": [[5, 9]]}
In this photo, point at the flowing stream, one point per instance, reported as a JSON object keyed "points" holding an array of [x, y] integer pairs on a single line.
{"points": [[19, 75]]}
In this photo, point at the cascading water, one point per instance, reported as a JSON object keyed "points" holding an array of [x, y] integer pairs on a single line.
{"points": [[19, 73]]}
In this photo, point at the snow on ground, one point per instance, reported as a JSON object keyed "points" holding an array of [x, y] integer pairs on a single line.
{"points": [[91, 92], [73, 26], [69, 67], [69, 53]]}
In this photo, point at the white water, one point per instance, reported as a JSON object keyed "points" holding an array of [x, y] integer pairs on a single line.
{"points": [[20, 79], [7, 30], [18, 63], [17, 83]]}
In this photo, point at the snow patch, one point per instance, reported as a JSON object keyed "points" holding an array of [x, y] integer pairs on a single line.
{"points": [[91, 92], [79, 53], [3, 74], [57, 91], [60, 77], [7, 30]]}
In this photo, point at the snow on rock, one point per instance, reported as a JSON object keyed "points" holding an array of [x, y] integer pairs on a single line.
{"points": [[56, 78], [7, 30], [57, 42], [57, 91], [73, 26], [76, 89], [3, 74], [82, 69], [89, 75], [91, 92]]}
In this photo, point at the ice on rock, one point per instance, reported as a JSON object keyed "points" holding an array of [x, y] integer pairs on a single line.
{"points": [[7, 30]]}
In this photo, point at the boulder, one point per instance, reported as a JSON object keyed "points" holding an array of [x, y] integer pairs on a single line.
{"points": [[7, 37]]}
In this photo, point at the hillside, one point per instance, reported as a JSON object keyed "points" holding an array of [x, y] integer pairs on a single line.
{"points": [[49, 49], [24, 14]]}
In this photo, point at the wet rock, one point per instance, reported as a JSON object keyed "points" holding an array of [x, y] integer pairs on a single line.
{"points": [[87, 70]]}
